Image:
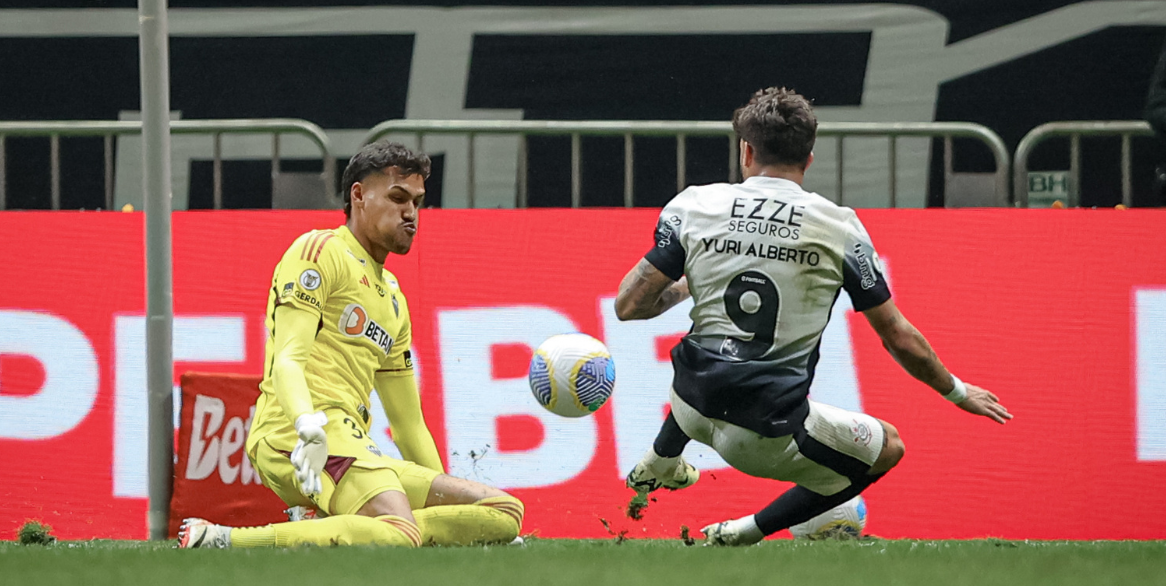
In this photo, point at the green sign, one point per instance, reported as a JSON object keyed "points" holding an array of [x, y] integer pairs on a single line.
{"points": [[1046, 187]]}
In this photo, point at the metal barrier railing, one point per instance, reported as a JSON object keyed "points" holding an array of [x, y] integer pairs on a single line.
{"points": [[1075, 130], [682, 130], [216, 128]]}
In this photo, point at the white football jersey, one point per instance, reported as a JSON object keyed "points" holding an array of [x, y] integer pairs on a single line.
{"points": [[765, 261]]}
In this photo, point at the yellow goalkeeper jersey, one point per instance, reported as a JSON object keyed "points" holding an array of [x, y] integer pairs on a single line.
{"points": [[364, 326]]}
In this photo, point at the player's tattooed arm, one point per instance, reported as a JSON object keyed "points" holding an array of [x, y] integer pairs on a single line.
{"points": [[912, 351], [674, 294], [908, 346], [645, 292]]}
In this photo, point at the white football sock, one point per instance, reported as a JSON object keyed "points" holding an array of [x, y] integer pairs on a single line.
{"points": [[747, 530], [659, 465]]}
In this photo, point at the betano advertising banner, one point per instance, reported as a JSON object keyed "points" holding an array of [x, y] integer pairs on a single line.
{"points": [[1061, 313]]}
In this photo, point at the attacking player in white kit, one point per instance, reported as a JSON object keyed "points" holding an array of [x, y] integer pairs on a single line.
{"points": [[764, 261]]}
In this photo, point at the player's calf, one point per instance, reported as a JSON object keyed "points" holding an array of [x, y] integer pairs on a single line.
{"points": [[799, 504], [507, 505], [796, 505]]}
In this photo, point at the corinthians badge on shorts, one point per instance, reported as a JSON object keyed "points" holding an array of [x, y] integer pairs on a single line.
{"points": [[862, 433]]}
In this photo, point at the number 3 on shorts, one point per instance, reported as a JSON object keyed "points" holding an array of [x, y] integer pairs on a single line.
{"points": [[356, 431]]}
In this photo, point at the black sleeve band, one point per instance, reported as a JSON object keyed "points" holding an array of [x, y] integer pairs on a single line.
{"points": [[862, 279], [668, 255]]}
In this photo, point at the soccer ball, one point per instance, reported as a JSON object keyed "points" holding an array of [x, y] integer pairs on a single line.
{"points": [[572, 374], [846, 521]]}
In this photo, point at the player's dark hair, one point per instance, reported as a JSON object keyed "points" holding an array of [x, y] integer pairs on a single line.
{"points": [[780, 125], [374, 158]]}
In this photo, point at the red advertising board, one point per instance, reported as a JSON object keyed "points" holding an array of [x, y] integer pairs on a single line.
{"points": [[212, 476], [1061, 313]]}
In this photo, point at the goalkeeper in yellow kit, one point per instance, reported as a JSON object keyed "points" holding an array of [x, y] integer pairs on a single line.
{"points": [[339, 327]]}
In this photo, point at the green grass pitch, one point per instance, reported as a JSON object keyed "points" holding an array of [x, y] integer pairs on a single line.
{"points": [[596, 563]]}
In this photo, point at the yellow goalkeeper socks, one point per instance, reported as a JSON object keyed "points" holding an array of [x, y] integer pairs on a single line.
{"points": [[402, 528], [338, 530], [254, 536], [490, 520]]}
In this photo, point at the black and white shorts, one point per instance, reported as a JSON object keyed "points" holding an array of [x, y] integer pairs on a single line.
{"points": [[830, 449]]}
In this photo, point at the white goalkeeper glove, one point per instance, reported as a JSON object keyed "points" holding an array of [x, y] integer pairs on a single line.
{"points": [[311, 451]]}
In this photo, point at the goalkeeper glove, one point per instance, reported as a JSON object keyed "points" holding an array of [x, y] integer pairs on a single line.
{"points": [[311, 451]]}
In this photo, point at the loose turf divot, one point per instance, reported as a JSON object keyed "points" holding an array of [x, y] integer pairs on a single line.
{"points": [[636, 506], [35, 533]]}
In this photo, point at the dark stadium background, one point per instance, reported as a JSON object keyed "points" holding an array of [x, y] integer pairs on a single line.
{"points": [[1101, 76]]}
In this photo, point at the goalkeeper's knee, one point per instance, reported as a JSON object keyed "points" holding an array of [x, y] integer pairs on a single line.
{"points": [[510, 506], [490, 520]]}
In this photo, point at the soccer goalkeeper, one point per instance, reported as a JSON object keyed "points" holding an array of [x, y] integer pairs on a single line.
{"points": [[338, 327]]}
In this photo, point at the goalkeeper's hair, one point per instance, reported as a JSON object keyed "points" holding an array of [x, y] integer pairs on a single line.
{"points": [[780, 125], [375, 157]]}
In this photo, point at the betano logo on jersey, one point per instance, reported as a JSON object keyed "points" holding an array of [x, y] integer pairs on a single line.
{"points": [[355, 322]]}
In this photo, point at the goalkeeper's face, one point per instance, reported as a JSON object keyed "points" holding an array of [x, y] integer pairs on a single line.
{"points": [[388, 209]]}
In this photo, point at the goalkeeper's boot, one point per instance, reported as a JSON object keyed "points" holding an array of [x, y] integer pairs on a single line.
{"points": [[743, 531], [655, 472], [204, 534]]}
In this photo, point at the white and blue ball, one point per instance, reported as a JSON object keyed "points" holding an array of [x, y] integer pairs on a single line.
{"points": [[572, 375], [846, 521]]}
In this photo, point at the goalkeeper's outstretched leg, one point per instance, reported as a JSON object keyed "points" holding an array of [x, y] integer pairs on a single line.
{"points": [[339, 530], [450, 511]]}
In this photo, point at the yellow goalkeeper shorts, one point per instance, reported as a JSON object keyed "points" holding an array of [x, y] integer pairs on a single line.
{"points": [[355, 472]]}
